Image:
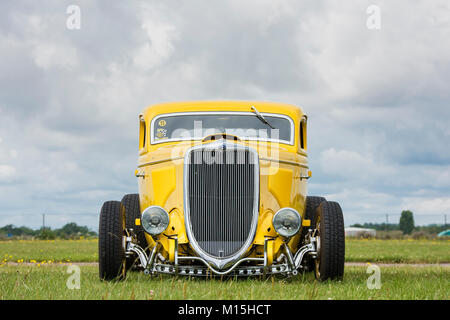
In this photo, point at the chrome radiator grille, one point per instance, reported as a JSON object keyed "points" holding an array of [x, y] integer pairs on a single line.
{"points": [[221, 192]]}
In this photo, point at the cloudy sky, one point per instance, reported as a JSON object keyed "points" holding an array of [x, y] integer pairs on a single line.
{"points": [[378, 100]]}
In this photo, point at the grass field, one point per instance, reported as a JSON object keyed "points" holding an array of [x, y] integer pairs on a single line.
{"points": [[389, 251], [31, 282], [46, 277], [398, 251], [49, 250]]}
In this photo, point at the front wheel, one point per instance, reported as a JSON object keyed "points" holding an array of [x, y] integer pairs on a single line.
{"points": [[330, 242], [111, 242]]}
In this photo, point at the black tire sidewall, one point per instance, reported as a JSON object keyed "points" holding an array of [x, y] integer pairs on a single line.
{"points": [[311, 205], [332, 241], [133, 211], [110, 248]]}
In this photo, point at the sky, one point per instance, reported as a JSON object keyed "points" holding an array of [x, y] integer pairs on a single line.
{"points": [[373, 77]]}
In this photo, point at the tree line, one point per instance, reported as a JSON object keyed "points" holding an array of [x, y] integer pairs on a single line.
{"points": [[69, 231], [405, 224]]}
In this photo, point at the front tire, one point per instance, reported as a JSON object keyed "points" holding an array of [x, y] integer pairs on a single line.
{"points": [[331, 242], [111, 251]]}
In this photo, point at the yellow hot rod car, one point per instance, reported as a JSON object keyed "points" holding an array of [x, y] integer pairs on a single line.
{"points": [[222, 192]]}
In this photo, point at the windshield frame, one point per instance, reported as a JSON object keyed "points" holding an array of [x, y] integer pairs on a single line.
{"points": [[164, 115]]}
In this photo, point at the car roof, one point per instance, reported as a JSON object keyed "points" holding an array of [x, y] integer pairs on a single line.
{"points": [[224, 105]]}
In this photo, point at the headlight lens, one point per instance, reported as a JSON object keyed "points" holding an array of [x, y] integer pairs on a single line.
{"points": [[155, 220], [287, 222]]}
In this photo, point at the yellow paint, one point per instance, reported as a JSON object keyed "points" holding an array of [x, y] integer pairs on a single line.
{"points": [[265, 228], [162, 164], [176, 226], [280, 185], [137, 222], [306, 223], [163, 183]]}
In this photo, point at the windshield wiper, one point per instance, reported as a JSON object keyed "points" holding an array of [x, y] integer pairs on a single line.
{"points": [[261, 117]]}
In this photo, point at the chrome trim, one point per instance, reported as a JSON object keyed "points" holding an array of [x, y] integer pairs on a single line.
{"points": [[266, 243], [237, 263], [131, 247], [206, 271], [289, 257], [298, 258], [152, 256], [152, 136], [176, 259], [218, 262], [152, 267]]}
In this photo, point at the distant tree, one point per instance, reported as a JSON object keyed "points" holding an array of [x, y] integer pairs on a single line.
{"points": [[8, 229], [68, 231], [46, 234], [17, 231], [431, 228], [72, 228], [406, 223], [26, 231]]}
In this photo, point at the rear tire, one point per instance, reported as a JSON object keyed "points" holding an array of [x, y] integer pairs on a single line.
{"points": [[312, 202], [133, 212], [111, 251], [331, 243]]}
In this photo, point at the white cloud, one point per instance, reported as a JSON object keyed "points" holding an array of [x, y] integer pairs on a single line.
{"points": [[377, 100], [425, 205], [49, 55], [352, 165], [159, 43], [6, 173]]}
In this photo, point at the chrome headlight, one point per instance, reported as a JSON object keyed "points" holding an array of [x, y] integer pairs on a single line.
{"points": [[154, 220], [287, 222]]}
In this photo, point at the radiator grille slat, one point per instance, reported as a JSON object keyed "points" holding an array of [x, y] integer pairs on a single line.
{"points": [[221, 191]]}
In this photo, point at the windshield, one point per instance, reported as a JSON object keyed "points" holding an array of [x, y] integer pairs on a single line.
{"points": [[246, 126]]}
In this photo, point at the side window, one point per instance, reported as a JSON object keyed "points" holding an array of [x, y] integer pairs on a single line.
{"points": [[303, 133], [142, 132]]}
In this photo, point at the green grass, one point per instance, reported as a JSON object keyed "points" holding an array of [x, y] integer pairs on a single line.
{"points": [[398, 251], [389, 251], [45, 250], [39, 281], [49, 282]]}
